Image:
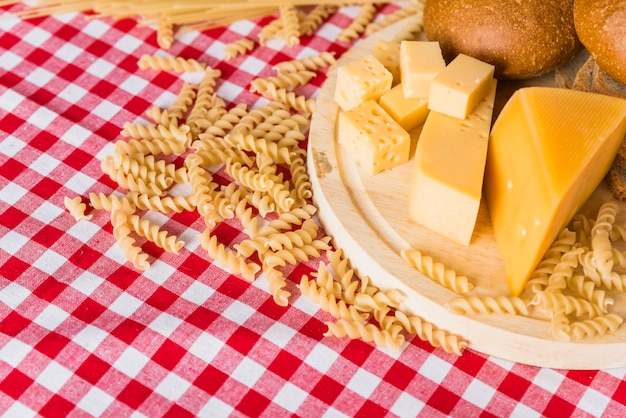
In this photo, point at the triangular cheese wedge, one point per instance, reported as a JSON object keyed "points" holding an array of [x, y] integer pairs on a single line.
{"points": [[549, 149]]}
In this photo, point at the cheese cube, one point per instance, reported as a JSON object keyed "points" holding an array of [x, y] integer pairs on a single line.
{"points": [[420, 62], [458, 88], [548, 151], [447, 178], [409, 113], [388, 53], [361, 80], [375, 140]]}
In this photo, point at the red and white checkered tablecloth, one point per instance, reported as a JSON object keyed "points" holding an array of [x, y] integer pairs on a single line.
{"points": [[83, 333]]}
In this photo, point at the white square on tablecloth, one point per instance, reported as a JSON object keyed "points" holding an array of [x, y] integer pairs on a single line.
{"points": [[37, 36], [11, 193], [242, 27], [165, 324], [18, 409], [279, 334], [229, 91], [406, 405], [86, 283], [54, 376], [106, 110], [10, 99], [321, 358], [72, 93], [165, 100], [435, 369], [548, 379], [95, 402], [363, 382], [133, 84], [197, 292], [75, 135], [13, 294], [159, 271], [96, 28], [290, 397], [42, 117], [39, 77], [306, 305], [125, 304], [172, 387], [83, 230], [216, 49], [100, 68], [238, 312], [131, 361], [47, 212], [80, 183], [333, 413], [90, 337], [12, 242], [524, 411], [68, 52], [14, 352], [248, 372], [128, 43], [49, 261], [51, 317], [593, 402], [7, 22], [44, 164], [215, 408], [9, 60], [206, 347], [10, 145], [252, 65], [478, 393]]}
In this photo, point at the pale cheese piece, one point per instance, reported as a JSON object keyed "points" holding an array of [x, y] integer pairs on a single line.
{"points": [[549, 149], [388, 53], [372, 137], [361, 80], [449, 165], [420, 62], [409, 113], [459, 87]]}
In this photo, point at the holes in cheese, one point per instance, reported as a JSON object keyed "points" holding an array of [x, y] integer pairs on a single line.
{"points": [[548, 151], [375, 140], [361, 80], [420, 62], [409, 113], [388, 53], [447, 178], [458, 88]]}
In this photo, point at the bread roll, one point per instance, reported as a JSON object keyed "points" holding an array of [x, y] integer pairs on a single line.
{"points": [[601, 27], [521, 38]]}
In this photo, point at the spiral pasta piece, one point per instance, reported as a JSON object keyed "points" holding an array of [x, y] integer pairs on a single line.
{"points": [[287, 220], [150, 146], [101, 201], [249, 177], [298, 102], [155, 234], [563, 270], [367, 332], [555, 302], [256, 116], [250, 143], [239, 47], [379, 301], [163, 204], [121, 232], [315, 18], [560, 326], [300, 178], [228, 259], [538, 281], [597, 326], [276, 283], [436, 271], [172, 132], [290, 24], [312, 63], [183, 101], [288, 81], [270, 31], [76, 207], [177, 64], [426, 331], [489, 304], [165, 34], [328, 302], [409, 10], [359, 23]]}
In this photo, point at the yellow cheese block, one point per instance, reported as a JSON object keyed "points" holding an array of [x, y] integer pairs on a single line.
{"points": [[388, 53], [449, 165], [375, 140], [458, 88], [549, 149], [409, 113], [420, 62], [361, 80]]}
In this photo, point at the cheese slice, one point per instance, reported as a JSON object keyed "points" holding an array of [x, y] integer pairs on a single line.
{"points": [[449, 165], [458, 88], [361, 80], [420, 62], [549, 149], [409, 113], [372, 137]]}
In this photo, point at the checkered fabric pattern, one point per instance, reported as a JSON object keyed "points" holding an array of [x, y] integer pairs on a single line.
{"points": [[82, 333]]}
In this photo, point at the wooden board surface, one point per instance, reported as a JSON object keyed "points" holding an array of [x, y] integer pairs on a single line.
{"points": [[367, 218]]}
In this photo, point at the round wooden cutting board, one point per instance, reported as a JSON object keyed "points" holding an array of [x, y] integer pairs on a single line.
{"points": [[367, 218]]}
